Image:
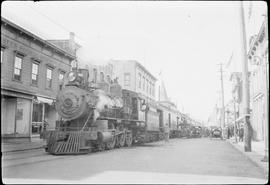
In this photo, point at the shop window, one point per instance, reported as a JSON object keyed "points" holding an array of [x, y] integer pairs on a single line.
{"points": [[18, 67], [37, 116], [34, 73], [126, 79], [49, 78]]}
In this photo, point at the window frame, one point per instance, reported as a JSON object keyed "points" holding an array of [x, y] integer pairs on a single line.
{"points": [[108, 78], [37, 75], [20, 56], [143, 83], [95, 75], [140, 79], [127, 81], [102, 76], [2, 53], [47, 86]]}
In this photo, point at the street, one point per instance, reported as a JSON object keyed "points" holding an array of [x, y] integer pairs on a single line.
{"points": [[178, 161]]}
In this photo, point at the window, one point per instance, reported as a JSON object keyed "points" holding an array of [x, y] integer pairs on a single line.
{"points": [[34, 73], [95, 75], [147, 83], [2, 54], [126, 79], [49, 78], [108, 79], [143, 83], [18, 67], [61, 79], [150, 89], [153, 90], [140, 79], [101, 76]]}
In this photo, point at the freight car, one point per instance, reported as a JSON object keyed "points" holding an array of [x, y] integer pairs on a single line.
{"points": [[98, 116]]}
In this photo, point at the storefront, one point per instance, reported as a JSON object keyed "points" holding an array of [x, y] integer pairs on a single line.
{"points": [[16, 109], [44, 115], [25, 115]]}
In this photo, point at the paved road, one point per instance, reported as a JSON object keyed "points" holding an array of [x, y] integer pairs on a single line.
{"points": [[179, 161]]}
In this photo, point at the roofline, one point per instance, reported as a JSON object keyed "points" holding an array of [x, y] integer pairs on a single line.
{"points": [[63, 40], [139, 64], [37, 38]]}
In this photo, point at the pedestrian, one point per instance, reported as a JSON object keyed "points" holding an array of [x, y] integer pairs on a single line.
{"points": [[167, 132], [229, 132], [241, 133]]}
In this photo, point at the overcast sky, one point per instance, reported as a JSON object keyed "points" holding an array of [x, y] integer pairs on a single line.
{"points": [[184, 40]]}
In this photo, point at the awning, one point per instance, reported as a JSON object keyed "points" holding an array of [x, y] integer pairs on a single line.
{"points": [[45, 100]]}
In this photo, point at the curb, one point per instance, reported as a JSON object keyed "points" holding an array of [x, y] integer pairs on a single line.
{"points": [[250, 158], [20, 150]]}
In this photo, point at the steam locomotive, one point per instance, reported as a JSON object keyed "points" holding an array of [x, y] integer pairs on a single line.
{"points": [[99, 116]]}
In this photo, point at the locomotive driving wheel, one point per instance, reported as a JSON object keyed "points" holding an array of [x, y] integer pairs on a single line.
{"points": [[128, 139], [111, 144], [121, 140], [101, 146]]}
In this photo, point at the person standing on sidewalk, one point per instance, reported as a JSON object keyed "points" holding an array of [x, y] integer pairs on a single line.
{"points": [[167, 132], [241, 133]]}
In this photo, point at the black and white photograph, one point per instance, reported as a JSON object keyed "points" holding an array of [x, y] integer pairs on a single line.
{"points": [[134, 92]]}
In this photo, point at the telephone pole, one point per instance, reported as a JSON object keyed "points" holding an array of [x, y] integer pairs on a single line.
{"points": [[245, 80], [222, 97]]}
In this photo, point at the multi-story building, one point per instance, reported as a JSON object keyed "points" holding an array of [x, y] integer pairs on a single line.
{"points": [[32, 71], [258, 57], [135, 77]]}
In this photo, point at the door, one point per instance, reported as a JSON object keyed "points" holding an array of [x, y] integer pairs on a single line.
{"points": [[160, 118], [22, 117]]}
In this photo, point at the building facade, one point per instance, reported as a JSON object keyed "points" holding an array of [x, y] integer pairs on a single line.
{"points": [[258, 57], [135, 77], [32, 72]]}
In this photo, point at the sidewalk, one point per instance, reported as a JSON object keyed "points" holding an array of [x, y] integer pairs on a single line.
{"points": [[256, 155], [15, 145]]}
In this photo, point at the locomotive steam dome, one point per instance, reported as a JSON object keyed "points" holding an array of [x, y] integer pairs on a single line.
{"points": [[72, 103]]}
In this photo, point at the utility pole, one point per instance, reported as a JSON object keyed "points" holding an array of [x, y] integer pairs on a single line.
{"points": [[266, 91], [222, 98], [245, 80]]}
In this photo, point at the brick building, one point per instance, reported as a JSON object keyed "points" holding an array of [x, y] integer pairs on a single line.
{"points": [[32, 71], [135, 77]]}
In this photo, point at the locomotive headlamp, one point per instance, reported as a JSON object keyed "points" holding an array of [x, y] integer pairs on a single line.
{"points": [[72, 76]]}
